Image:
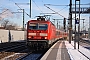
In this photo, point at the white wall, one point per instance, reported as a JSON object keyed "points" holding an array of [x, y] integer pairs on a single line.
{"points": [[16, 35]]}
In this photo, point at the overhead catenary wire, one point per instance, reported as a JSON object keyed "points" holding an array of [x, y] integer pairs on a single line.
{"points": [[82, 4], [20, 8], [66, 5], [37, 6], [55, 11], [56, 5], [4, 11], [62, 8]]}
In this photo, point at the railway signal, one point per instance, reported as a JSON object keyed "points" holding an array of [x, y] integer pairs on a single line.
{"points": [[64, 23], [77, 21]]}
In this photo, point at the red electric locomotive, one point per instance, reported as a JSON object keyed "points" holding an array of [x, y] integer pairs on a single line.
{"points": [[41, 33]]}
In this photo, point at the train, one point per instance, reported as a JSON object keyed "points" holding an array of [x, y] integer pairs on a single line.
{"points": [[42, 33]]}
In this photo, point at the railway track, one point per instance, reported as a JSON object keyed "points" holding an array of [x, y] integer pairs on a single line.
{"points": [[10, 55], [19, 51], [34, 54], [85, 43], [12, 49], [7, 46]]}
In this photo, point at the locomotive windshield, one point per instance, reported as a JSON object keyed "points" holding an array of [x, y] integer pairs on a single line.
{"points": [[37, 26]]}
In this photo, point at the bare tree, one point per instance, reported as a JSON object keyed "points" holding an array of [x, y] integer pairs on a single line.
{"points": [[8, 25], [5, 23]]}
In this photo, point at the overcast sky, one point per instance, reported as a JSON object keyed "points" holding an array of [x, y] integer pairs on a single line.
{"points": [[37, 8]]}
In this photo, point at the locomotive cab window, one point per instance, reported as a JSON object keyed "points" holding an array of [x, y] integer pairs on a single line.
{"points": [[43, 26], [37, 26], [33, 26]]}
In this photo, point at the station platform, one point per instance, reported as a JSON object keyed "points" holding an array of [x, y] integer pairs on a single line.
{"points": [[62, 50]]}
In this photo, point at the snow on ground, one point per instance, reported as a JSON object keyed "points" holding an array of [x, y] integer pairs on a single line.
{"points": [[83, 50], [74, 53]]}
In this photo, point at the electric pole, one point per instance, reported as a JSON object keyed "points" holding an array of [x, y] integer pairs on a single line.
{"points": [[70, 21], [30, 8], [23, 17]]}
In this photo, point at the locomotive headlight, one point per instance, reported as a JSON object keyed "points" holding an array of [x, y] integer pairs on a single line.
{"points": [[43, 34], [45, 37], [29, 37], [33, 34]]}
